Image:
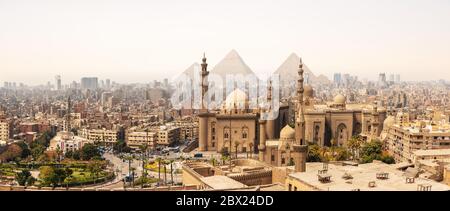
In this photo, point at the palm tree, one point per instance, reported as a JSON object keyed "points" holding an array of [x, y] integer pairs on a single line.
{"points": [[144, 149], [159, 168], [165, 173], [171, 170]]}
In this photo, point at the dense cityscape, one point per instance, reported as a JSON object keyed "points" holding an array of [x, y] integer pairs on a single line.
{"points": [[328, 134]]}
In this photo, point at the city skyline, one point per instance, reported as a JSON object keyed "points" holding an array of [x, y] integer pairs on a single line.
{"points": [[144, 41]]}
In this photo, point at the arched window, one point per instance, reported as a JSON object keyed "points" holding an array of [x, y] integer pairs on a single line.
{"points": [[226, 133], [244, 132]]}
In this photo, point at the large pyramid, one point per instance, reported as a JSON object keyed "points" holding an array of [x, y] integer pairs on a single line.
{"points": [[288, 72], [232, 64], [192, 70]]}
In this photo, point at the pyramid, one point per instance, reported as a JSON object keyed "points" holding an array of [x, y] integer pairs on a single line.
{"points": [[191, 70], [288, 72], [232, 64]]}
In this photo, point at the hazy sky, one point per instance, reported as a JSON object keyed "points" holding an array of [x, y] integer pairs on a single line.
{"points": [[138, 41]]}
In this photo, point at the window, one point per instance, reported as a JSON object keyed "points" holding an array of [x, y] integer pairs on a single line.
{"points": [[272, 158], [244, 134], [295, 188], [290, 187], [283, 160]]}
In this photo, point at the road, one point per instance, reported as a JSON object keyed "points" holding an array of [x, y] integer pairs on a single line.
{"points": [[121, 169]]}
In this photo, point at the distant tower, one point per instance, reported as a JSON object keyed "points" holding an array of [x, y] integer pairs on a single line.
{"points": [[270, 123], [69, 105], [300, 119], [58, 82], [203, 115]]}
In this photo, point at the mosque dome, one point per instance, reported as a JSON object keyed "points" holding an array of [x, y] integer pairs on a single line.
{"points": [[236, 99], [287, 133], [309, 92], [340, 99]]}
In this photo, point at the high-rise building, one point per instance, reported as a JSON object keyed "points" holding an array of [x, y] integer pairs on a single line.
{"points": [[58, 82], [337, 78], [391, 78], [397, 78], [89, 83], [108, 84]]}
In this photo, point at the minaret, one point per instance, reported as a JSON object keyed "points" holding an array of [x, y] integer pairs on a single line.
{"points": [[300, 118], [69, 105], [203, 115], [270, 126], [262, 126], [300, 149]]}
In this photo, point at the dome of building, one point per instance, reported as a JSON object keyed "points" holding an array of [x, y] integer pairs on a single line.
{"points": [[309, 92], [236, 99], [287, 133], [388, 122], [340, 99]]}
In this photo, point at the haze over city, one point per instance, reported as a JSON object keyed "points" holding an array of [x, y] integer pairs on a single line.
{"points": [[138, 41]]}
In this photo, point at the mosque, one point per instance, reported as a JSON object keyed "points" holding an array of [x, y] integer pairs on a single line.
{"points": [[237, 128]]}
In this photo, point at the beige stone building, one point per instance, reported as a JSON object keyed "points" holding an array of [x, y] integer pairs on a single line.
{"points": [[375, 176], [402, 139], [135, 139], [108, 137], [235, 126], [4, 131], [168, 135]]}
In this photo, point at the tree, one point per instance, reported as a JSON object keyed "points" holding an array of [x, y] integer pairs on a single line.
{"points": [[54, 176], [121, 146], [314, 153], [25, 149], [37, 150], [236, 145], [144, 150], [159, 168], [354, 144], [89, 151], [12, 152], [171, 170], [22, 177], [95, 168]]}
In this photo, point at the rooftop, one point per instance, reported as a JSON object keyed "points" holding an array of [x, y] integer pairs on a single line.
{"points": [[362, 175], [432, 152], [219, 182]]}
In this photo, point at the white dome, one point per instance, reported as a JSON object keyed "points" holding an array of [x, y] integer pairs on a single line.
{"points": [[340, 99], [236, 99], [287, 133]]}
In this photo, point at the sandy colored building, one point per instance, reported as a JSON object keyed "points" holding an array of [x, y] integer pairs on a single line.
{"points": [[108, 137], [374, 176], [4, 131], [402, 139], [135, 139]]}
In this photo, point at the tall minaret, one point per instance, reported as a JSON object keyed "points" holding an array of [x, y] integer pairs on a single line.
{"points": [[203, 115], [69, 105], [204, 82], [270, 126], [300, 119]]}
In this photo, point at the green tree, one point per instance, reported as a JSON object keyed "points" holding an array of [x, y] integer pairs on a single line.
{"points": [[95, 168], [89, 151], [314, 153], [22, 177]]}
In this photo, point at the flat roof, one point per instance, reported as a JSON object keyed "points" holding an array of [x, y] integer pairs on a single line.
{"points": [[362, 175], [432, 152], [220, 182]]}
